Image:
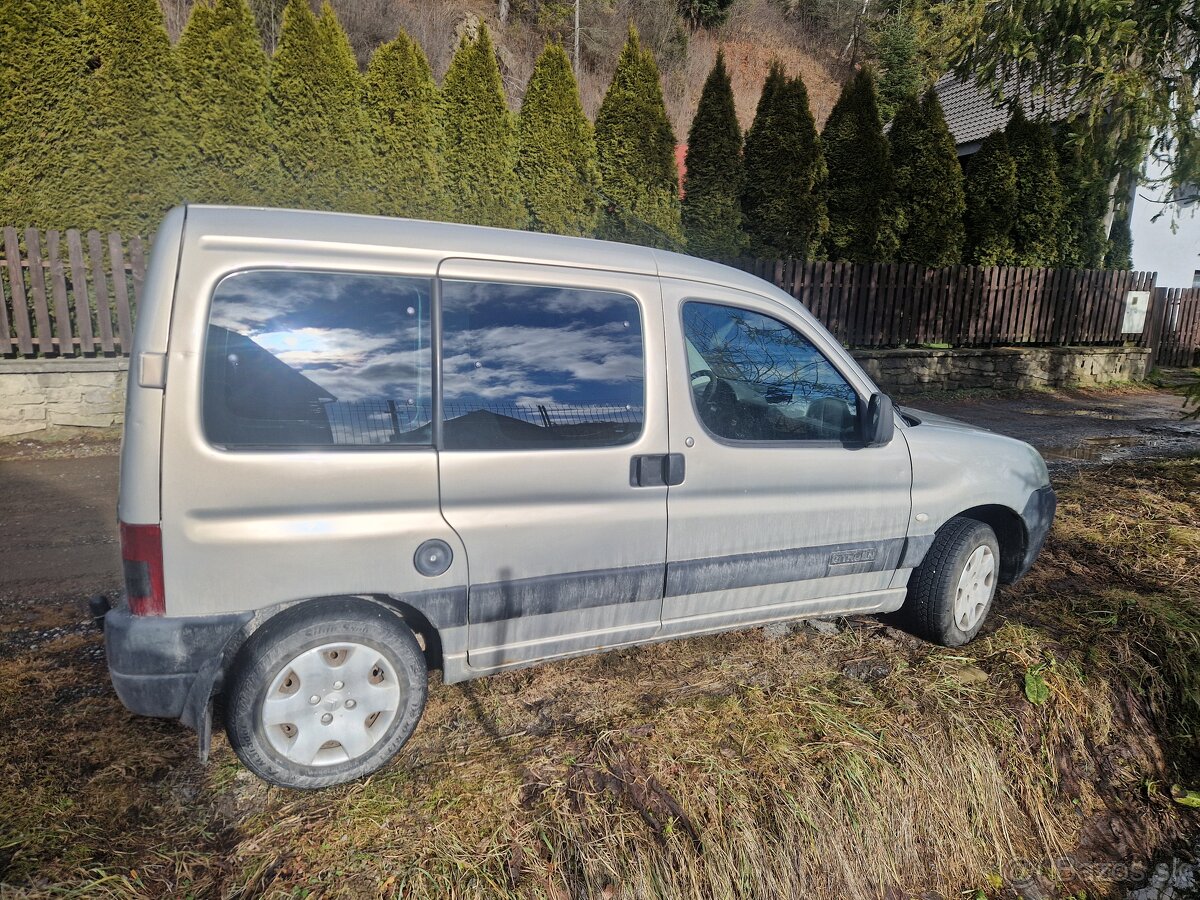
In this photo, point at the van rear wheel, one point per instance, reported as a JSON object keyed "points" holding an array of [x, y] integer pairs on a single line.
{"points": [[951, 591], [324, 693]]}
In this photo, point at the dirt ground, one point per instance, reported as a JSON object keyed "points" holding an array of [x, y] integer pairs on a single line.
{"points": [[1089, 426], [539, 783]]}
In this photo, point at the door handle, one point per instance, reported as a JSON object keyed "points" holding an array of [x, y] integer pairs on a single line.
{"points": [[656, 470]]}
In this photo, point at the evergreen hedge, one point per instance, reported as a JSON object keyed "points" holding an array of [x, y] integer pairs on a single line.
{"points": [[481, 139], [929, 199], [861, 180], [401, 107], [223, 85], [991, 193], [103, 125], [712, 212], [43, 73], [316, 109], [784, 195], [556, 159], [129, 154], [636, 151], [1038, 225], [1085, 199], [896, 48]]}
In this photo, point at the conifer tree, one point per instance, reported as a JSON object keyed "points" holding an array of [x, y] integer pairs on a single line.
{"points": [[480, 140], [1085, 197], [556, 158], [43, 76], [712, 212], [860, 176], [896, 47], [784, 195], [1038, 226], [636, 151], [401, 104], [991, 193], [929, 199], [126, 153], [223, 86], [319, 122]]}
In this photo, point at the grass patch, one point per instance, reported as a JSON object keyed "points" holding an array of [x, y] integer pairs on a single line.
{"points": [[866, 764]]}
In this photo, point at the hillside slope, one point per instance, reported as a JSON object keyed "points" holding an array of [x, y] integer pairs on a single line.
{"points": [[756, 32]]}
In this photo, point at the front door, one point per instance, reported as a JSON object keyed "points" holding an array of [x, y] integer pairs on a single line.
{"points": [[553, 388], [783, 511]]}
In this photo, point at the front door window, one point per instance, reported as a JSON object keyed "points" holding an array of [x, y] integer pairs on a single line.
{"points": [[755, 378]]}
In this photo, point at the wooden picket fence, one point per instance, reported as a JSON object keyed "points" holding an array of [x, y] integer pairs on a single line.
{"points": [[901, 304], [70, 294], [1175, 326]]}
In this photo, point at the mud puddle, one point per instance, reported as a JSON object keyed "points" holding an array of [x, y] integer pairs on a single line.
{"points": [[1148, 442]]}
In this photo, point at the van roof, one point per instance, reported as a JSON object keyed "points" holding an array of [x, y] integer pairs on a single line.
{"points": [[287, 225]]}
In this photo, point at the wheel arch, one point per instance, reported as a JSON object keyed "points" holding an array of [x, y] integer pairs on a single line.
{"points": [[1011, 535], [210, 681]]}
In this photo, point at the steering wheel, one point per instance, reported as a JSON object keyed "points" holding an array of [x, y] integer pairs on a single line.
{"points": [[718, 404], [709, 395]]}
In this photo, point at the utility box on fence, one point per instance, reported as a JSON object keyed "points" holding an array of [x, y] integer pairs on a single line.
{"points": [[1136, 304]]}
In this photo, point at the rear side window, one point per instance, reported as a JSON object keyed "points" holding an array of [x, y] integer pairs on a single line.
{"points": [[318, 359], [529, 367]]}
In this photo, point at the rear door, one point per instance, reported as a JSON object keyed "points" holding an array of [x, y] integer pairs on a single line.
{"points": [[553, 390], [783, 512], [297, 457]]}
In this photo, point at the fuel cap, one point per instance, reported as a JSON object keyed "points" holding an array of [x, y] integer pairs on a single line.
{"points": [[433, 558]]}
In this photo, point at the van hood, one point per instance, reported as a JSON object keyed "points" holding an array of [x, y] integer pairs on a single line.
{"points": [[928, 418], [945, 449]]}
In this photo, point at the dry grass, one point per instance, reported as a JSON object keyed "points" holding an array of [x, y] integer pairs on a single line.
{"points": [[861, 765]]}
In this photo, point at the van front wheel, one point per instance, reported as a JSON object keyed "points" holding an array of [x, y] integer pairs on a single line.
{"points": [[324, 693], [951, 591]]}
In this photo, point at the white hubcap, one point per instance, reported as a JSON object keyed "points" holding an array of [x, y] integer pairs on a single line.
{"points": [[331, 704], [976, 585]]}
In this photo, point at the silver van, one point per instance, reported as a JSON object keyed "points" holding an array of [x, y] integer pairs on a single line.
{"points": [[360, 448]]}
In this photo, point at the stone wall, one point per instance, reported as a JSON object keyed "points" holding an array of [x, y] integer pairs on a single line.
{"points": [[918, 371], [41, 396]]}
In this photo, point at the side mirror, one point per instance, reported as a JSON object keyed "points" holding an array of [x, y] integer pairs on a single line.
{"points": [[878, 425]]}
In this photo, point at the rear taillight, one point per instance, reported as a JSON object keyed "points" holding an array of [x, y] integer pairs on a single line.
{"points": [[141, 553]]}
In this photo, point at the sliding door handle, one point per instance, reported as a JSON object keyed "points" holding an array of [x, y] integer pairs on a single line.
{"points": [[657, 470]]}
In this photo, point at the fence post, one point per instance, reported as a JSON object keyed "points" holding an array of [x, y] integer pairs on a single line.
{"points": [[79, 287], [1152, 333], [16, 285], [116, 257], [37, 292], [58, 286]]}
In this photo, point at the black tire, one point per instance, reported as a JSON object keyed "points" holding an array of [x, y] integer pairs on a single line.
{"points": [[929, 610], [282, 641]]}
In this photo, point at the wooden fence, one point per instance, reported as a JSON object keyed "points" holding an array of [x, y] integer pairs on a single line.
{"points": [[1175, 326], [70, 294], [901, 304]]}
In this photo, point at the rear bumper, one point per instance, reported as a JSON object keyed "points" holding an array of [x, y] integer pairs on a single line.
{"points": [[1038, 516], [155, 662]]}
